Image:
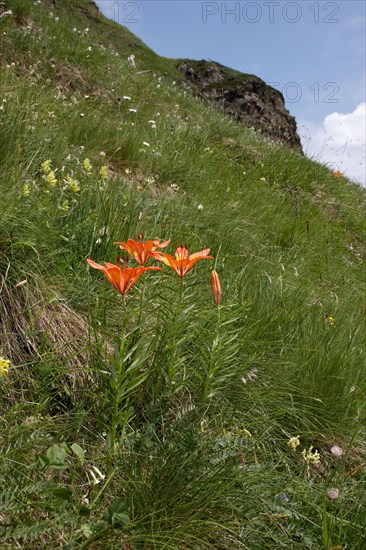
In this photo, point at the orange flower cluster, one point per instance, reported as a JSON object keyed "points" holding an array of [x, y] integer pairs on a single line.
{"points": [[123, 278]]}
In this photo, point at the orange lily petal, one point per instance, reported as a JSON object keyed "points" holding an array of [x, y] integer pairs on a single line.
{"points": [[181, 253], [163, 244], [202, 254], [94, 264]]}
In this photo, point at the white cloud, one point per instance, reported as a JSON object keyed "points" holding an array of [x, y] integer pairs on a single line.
{"points": [[339, 142]]}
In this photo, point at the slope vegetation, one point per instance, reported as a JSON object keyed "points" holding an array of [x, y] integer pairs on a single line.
{"points": [[157, 418]]}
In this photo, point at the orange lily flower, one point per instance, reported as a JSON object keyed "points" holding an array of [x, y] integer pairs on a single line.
{"points": [[122, 278], [337, 174], [183, 262], [141, 251]]}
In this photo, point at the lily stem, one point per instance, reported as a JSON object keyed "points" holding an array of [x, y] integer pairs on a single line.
{"points": [[142, 296], [212, 360], [171, 371], [117, 389]]}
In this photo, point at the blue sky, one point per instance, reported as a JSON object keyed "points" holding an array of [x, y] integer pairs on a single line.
{"points": [[312, 51]]}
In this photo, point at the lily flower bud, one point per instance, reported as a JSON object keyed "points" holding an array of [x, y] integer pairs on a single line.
{"points": [[216, 287]]}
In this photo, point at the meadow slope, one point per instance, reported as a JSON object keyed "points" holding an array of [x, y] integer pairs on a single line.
{"points": [[158, 419]]}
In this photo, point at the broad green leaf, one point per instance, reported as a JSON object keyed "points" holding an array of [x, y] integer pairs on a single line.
{"points": [[79, 452], [56, 456]]}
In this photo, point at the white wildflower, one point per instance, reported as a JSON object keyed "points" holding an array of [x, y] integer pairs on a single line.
{"points": [[131, 59], [96, 475], [250, 376]]}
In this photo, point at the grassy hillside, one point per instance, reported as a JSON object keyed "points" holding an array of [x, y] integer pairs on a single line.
{"points": [[158, 419]]}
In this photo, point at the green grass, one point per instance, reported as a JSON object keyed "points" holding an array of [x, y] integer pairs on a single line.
{"points": [[185, 467]]}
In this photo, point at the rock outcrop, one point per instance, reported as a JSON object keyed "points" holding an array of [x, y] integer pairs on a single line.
{"points": [[244, 97]]}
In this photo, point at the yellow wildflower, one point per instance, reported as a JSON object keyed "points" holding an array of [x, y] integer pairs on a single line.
{"points": [[103, 172], [310, 456], [330, 320], [64, 207], [4, 366], [293, 443], [46, 167], [26, 190], [72, 184], [51, 179], [87, 165]]}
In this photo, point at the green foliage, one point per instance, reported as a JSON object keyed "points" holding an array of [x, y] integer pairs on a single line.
{"points": [[158, 420]]}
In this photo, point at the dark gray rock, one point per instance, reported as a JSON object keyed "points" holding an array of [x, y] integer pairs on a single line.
{"points": [[244, 97]]}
